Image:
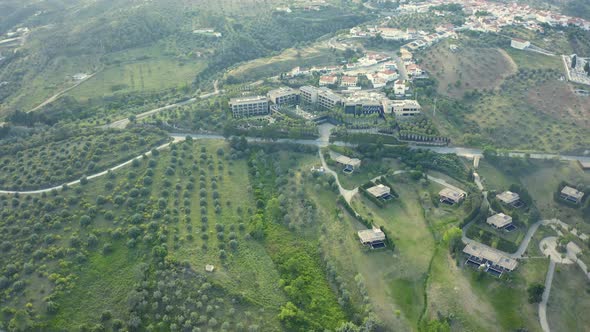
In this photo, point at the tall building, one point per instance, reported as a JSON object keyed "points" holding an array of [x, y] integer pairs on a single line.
{"points": [[327, 99], [309, 94], [284, 95], [249, 106]]}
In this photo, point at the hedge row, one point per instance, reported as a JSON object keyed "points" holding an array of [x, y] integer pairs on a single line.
{"points": [[388, 239]]}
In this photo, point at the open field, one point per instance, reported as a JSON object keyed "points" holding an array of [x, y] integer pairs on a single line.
{"points": [[568, 303], [542, 183], [462, 71], [141, 76], [558, 100], [414, 247], [370, 169], [316, 55], [531, 60]]}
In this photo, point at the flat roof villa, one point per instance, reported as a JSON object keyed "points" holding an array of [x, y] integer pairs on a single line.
{"points": [[451, 196], [488, 259], [499, 221], [571, 194], [374, 238], [350, 164], [380, 191], [508, 197]]}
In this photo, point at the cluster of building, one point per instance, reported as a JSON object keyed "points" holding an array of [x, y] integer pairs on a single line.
{"points": [[418, 38], [490, 16], [325, 99], [14, 38]]}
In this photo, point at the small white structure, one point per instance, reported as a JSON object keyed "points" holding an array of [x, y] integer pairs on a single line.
{"points": [[400, 88], [519, 44], [209, 268]]}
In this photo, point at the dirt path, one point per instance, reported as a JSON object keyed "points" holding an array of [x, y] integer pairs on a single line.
{"points": [[61, 93], [513, 65]]}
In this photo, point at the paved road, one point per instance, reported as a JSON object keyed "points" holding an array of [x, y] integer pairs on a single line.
{"points": [[472, 153], [120, 124], [545, 299]]}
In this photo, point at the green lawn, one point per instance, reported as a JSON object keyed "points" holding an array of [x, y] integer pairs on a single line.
{"points": [[531, 60], [106, 280], [568, 305], [543, 182], [139, 76]]}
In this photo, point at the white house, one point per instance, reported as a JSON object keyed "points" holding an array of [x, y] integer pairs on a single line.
{"points": [[519, 44]]}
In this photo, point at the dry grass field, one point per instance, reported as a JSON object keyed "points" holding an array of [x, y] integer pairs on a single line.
{"points": [[467, 69]]}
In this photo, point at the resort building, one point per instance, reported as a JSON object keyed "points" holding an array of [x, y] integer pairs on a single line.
{"points": [[308, 94], [350, 164], [380, 192], [508, 197], [403, 108], [488, 259], [249, 106], [451, 196], [283, 96], [499, 221], [374, 238], [571, 195], [327, 99]]}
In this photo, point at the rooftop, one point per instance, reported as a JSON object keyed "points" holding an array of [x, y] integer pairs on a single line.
{"points": [[499, 220], [572, 192], [371, 235], [379, 190], [508, 197], [349, 79], [450, 193], [344, 160], [490, 254], [247, 99]]}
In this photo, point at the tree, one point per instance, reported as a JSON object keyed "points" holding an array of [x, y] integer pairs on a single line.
{"points": [[574, 61], [535, 292], [587, 68], [453, 238]]}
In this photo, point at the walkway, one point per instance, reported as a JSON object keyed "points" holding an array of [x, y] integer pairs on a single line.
{"points": [[545, 299]]}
